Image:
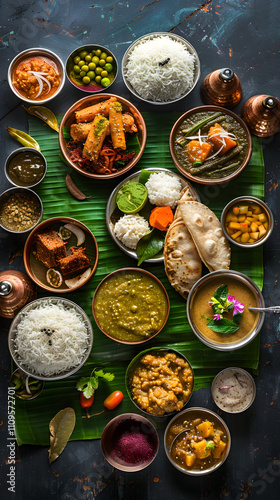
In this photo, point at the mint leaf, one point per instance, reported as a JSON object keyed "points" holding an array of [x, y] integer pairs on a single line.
{"points": [[221, 294], [222, 326]]}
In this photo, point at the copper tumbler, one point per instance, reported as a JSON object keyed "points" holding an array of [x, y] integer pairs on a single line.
{"points": [[222, 88], [262, 115]]}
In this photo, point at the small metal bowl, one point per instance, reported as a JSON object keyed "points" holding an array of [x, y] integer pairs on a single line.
{"points": [[7, 194], [37, 52], [151, 36], [21, 375], [125, 271], [169, 439], [69, 118], [233, 372], [199, 179], [244, 200], [94, 87], [14, 155], [68, 304], [135, 423], [136, 360], [245, 280]]}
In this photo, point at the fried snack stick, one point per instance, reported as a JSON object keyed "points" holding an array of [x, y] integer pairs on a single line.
{"points": [[89, 113], [116, 126], [95, 138], [79, 131]]}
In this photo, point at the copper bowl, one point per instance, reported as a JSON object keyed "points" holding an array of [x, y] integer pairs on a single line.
{"points": [[36, 270], [202, 180], [69, 118], [139, 423], [124, 271]]}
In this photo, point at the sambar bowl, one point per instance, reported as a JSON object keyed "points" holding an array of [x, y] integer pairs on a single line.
{"points": [[247, 222], [197, 441], [242, 324]]}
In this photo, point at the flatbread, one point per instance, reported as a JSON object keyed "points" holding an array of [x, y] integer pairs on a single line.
{"points": [[207, 234], [188, 194], [182, 263]]}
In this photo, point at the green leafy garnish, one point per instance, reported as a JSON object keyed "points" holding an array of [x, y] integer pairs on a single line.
{"points": [[222, 302], [89, 384], [222, 326], [149, 245]]}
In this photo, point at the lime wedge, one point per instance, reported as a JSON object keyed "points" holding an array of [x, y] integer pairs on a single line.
{"points": [[132, 197]]}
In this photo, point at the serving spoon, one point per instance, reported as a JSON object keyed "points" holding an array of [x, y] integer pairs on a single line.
{"points": [[185, 431], [270, 310]]}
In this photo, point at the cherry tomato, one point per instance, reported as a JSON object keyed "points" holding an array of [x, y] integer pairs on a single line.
{"points": [[113, 400], [86, 402]]}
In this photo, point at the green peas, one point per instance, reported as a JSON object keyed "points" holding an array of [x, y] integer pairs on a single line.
{"points": [[91, 75], [102, 62], [83, 54], [81, 63], [105, 82], [92, 65], [97, 52], [95, 60], [88, 58], [109, 59], [86, 80], [98, 70], [76, 69], [85, 68], [98, 79], [108, 67], [77, 59], [104, 73]]}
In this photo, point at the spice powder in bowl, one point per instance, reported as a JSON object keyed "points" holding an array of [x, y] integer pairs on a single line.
{"points": [[130, 442], [233, 390], [20, 210]]}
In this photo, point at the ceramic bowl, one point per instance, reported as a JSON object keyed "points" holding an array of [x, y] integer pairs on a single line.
{"points": [[118, 316], [36, 270], [176, 150], [74, 76], [7, 195], [245, 200], [47, 55], [69, 118], [129, 424], [19, 182], [220, 391], [152, 36], [31, 306], [136, 361], [224, 342], [180, 419]]}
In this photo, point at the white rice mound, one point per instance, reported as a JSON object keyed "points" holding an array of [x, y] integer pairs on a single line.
{"points": [[130, 228], [69, 339], [154, 82], [163, 189]]}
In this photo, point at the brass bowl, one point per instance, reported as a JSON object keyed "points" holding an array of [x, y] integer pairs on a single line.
{"points": [[201, 180], [124, 271], [69, 118], [36, 270]]}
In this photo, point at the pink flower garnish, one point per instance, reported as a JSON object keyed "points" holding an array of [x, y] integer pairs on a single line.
{"points": [[217, 317], [238, 306]]}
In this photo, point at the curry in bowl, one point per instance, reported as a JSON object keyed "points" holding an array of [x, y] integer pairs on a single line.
{"points": [[197, 441], [218, 310], [160, 381]]}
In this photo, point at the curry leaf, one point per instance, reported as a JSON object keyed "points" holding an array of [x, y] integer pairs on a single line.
{"points": [[61, 428], [222, 326], [149, 245]]}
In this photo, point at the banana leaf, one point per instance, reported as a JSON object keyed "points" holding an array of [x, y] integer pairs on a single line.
{"points": [[33, 417]]}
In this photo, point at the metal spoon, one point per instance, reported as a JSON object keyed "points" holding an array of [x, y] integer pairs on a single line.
{"points": [[185, 431], [270, 310]]}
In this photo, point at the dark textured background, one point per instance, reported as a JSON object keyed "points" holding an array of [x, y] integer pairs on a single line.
{"points": [[243, 35]]}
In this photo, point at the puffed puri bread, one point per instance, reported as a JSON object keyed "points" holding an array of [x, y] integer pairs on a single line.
{"points": [[182, 262], [207, 234]]}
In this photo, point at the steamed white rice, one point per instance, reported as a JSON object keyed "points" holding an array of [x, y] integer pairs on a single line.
{"points": [[163, 189], [152, 77], [130, 228]]}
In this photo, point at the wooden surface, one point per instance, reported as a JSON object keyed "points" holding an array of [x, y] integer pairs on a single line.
{"points": [[243, 35]]}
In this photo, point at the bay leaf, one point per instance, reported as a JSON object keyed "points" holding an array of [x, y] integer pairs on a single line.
{"points": [[61, 428], [24, 138], [149, 245]]}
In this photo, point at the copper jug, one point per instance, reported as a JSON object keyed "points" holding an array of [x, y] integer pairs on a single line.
{"points": [[262, 115], [16, 289], [222, 88]]}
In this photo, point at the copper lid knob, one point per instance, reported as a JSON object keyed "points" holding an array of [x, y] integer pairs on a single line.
{"points": [[222, 88], [262, 115], [16, 289]]}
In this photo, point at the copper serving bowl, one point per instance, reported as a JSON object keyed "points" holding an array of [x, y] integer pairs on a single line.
{"points": [[201, 179], [114, 294], [36, 270], [69, 118]]}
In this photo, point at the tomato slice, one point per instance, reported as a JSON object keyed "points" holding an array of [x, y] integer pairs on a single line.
{"points": [[113, 400]]}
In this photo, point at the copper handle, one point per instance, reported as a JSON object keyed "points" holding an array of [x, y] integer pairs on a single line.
{"points": [[5, 288]]}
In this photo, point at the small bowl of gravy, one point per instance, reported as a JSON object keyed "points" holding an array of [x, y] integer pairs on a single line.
{"points": [[25, 167]]}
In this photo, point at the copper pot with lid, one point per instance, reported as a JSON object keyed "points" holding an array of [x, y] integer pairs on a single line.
{"points": [[221, 87], [262, 115], [16, 289]]}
